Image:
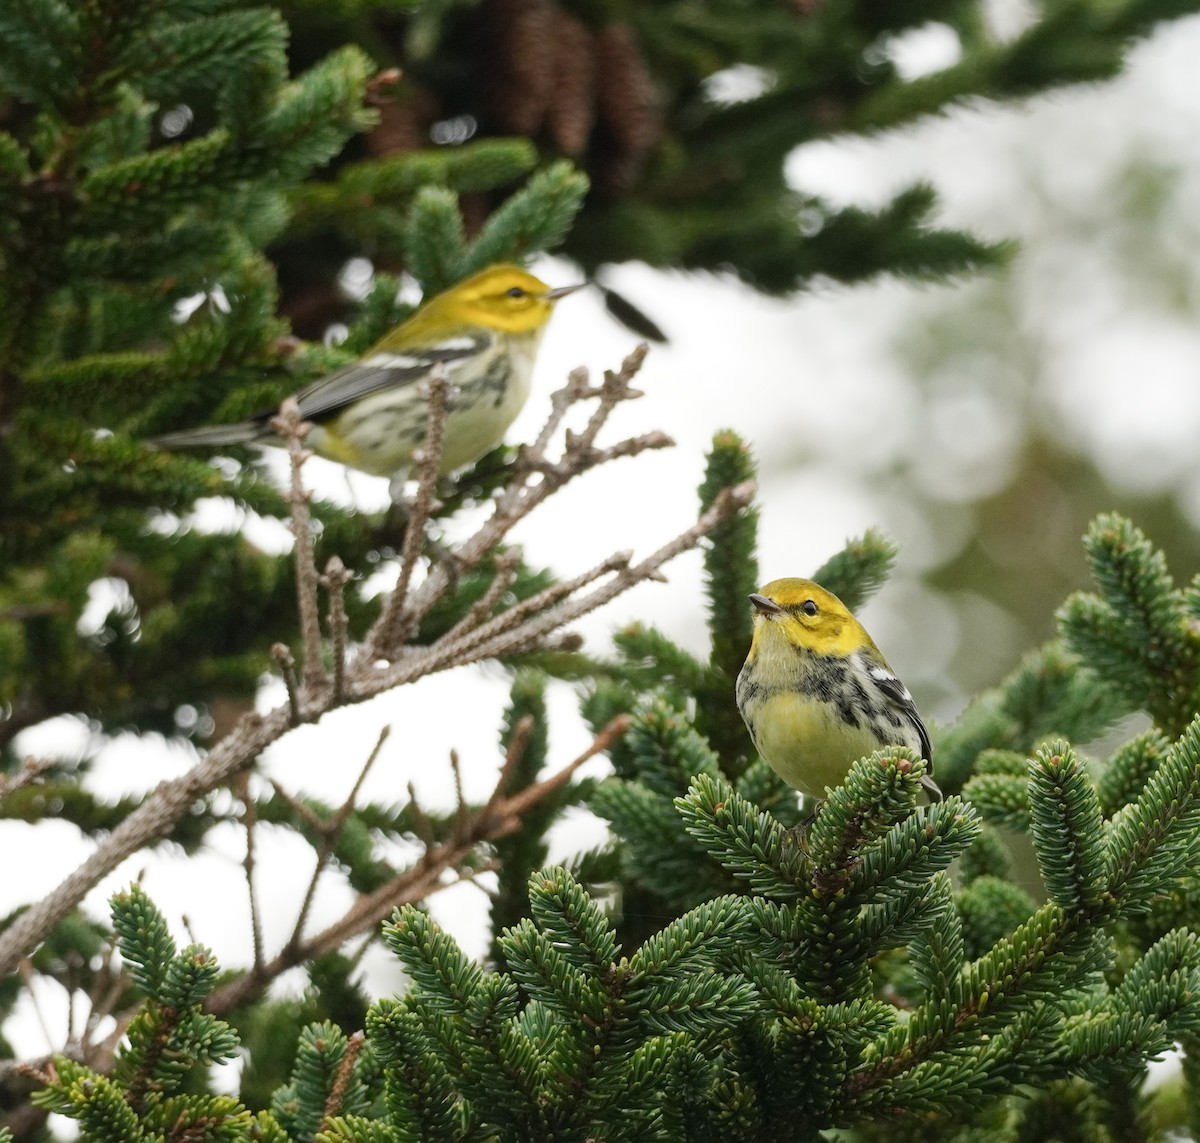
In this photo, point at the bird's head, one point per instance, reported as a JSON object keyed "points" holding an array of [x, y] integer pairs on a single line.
{"points": [[502, 297], [806, 615]]}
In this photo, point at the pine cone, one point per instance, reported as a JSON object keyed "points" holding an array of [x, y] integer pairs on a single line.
{"points": [[519, 35], [572, 109], [404, 124], [628, 105]]}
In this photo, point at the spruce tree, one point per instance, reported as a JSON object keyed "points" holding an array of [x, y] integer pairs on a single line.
{"points": [[181, 184]]}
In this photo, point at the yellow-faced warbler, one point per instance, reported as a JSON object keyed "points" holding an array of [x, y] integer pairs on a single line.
{"points": [[815, 692], [371, 415]]}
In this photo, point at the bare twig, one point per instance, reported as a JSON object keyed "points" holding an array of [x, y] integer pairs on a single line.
{"points": [[391, 627], [528, 635], [507, 565], [291, 680], [613, 391], [335, 579], [560, 401], [31, 770], [250, 819], [347, 807], [316, 823], [293, 429], [422, 826], [25, 971], [521, 611], [462, 812], [526, 799], [517, 746]]}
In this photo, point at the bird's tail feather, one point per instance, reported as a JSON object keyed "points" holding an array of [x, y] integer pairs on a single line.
{"points": [[244, 432]]}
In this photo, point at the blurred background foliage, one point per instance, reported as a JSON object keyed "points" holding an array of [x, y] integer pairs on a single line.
{"points": [[1061, 385]]}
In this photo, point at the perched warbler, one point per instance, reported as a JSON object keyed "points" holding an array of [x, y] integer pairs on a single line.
{"points": [[815, 692], [371, 415]]}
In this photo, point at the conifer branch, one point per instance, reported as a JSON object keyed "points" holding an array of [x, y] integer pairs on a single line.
{"points": [[292, 429], [364, 677], [337, 1093]]}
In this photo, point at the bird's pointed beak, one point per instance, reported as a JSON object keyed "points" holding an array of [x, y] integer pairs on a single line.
{"points": [[765, 606], [561, 292]]}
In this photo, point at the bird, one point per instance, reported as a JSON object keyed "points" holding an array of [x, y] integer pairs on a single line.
{"points": [[371, 415], [815, 692]]}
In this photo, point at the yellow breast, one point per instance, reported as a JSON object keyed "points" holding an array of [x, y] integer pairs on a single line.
{"points": [[805, 742]]}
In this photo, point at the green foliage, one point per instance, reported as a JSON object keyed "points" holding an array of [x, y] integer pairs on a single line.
{"points": [[301, 1106], [772, 992], [148, 212], [1138, 631], [731, 574], [799, 952], [859, 570], [170, 1040], [592, 1043], [181, 184]]}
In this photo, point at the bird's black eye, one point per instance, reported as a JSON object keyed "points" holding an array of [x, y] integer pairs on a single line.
{"points": [[808, 607], [515, 292]]}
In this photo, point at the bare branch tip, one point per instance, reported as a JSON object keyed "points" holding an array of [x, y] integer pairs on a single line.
{"points": [[288, 422], [636, 356], [618, 725], [742, 494]]}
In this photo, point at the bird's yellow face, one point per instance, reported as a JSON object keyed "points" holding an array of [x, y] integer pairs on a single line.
{"points": [[804, 614], [502, 297]]}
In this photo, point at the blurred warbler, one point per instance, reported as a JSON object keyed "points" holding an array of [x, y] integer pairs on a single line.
{"points": [[371, 415], [815, 692]]}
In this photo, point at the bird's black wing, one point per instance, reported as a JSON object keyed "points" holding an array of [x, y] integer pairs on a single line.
{"points": [[380, 371], [899, 695], [900, 698]]}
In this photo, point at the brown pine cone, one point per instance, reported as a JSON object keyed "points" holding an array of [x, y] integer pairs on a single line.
{"points": [[404, 123], [518, 37], [628, 104], [572, 109]]}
